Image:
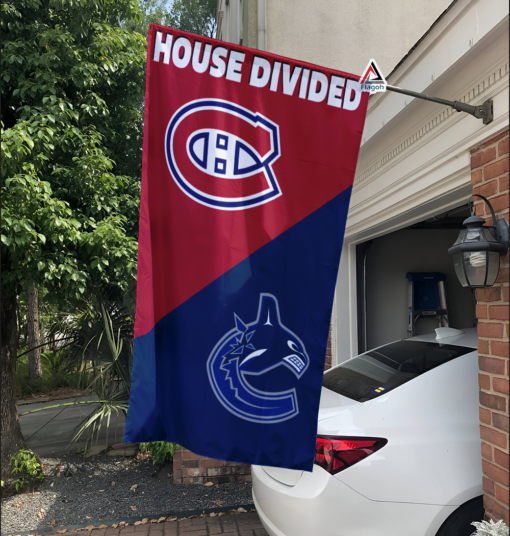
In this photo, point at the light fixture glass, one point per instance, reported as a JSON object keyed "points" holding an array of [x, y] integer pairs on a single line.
{"points": [[459, 269], [475, 266], [477, 250], [493, 270]]}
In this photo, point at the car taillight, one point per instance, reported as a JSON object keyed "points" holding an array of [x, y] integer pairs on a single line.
{"points": [[334, 454]]}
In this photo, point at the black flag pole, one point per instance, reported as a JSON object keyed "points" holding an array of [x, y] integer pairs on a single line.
{"points": [[484, 111]]}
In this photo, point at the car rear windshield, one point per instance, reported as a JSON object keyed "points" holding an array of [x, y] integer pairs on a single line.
{"points": [[369, 375]]}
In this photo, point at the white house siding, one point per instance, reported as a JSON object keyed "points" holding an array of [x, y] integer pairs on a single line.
{"points": [[415, 158], [341, 34], [345, 34]]}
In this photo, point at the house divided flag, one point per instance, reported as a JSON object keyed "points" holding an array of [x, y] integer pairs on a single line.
{"points": [[248, 163]]}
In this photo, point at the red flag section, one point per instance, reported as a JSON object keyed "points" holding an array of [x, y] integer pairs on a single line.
{"points": [[224, 182]]}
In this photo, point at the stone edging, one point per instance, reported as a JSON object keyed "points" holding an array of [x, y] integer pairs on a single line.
{"points": [[27, 401]]}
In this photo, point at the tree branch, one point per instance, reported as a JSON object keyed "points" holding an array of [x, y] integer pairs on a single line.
{"points": [[44, 344]]}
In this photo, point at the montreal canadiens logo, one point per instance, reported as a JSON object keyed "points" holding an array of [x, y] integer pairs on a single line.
{"points": [[249, 367], [221, 154]]}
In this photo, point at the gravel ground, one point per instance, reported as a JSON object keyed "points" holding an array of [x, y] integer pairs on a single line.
{"points": [[100, 488]]}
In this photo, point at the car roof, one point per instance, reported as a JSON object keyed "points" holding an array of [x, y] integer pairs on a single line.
{"points": [[467, 337]]}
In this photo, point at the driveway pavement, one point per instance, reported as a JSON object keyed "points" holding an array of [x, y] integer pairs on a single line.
{"points": [[234, 525], [50, 432], [229, 525]]}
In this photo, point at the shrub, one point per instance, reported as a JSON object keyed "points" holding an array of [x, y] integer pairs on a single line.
{"points": [[58, 372], [56, 362], [26, 468], [161, 451]]}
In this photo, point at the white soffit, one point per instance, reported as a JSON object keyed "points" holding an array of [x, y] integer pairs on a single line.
{"points": [[413, 150]]}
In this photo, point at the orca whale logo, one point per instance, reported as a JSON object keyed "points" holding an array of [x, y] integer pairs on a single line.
{"points": [[223, 155], [252, 350]]}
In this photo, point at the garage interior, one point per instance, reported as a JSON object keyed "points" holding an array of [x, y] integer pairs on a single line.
{"points": [[382, 287]]}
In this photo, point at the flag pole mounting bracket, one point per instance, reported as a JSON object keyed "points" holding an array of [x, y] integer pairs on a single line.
{"points": [[484, 111]]}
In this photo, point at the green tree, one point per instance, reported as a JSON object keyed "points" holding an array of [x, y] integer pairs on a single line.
{"points": [[151, 12], [196, 16], [72, 117]]}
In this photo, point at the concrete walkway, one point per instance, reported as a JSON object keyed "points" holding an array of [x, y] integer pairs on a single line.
{"points": [[50, 432]]}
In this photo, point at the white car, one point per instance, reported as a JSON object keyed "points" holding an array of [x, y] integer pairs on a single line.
{"points": [[398, 448]]}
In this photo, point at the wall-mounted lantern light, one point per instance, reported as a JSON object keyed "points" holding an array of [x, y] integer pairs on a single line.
{"points": [[478, 248]]}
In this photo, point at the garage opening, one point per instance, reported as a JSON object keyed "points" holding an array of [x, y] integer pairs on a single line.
{"points": [[382, 286]]}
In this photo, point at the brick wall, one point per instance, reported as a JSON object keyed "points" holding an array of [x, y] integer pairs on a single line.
{"points": [[191, 468], [489, 176]]}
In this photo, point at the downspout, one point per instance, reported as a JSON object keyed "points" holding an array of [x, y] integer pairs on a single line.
{"points": [[219, 20], [261, 25], [233, 22]]}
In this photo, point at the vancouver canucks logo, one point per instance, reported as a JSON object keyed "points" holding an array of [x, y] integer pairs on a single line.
{"points": [[211, 145], [248, 355]]}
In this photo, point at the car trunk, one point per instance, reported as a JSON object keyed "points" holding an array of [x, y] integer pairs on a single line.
{"points": [[331, 404]]}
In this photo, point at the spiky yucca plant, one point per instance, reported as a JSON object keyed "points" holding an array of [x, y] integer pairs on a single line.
{"points": [[111, 371], [99, 342]]}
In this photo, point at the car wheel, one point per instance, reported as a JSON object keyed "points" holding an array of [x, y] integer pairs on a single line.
{"points": [[459, 523]]}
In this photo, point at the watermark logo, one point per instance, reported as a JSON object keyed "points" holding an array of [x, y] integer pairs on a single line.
{"points": [[372, 80]]}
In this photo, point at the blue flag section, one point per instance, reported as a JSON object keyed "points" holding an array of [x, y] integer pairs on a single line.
{"points": [[253, 350], [248, 163], [253, 396]]}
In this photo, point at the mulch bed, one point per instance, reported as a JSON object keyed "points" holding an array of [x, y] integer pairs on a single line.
{"points": [[78, 490]]}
